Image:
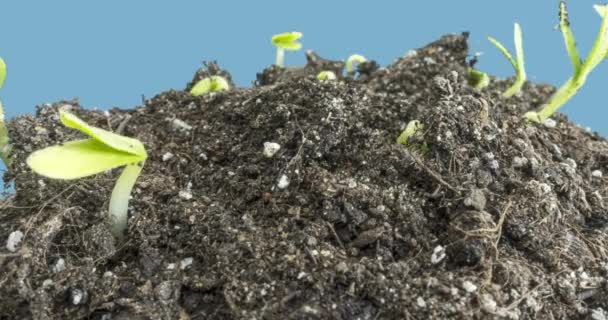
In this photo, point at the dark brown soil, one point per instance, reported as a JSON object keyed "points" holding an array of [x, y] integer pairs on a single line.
{"points": [[493, 218]]}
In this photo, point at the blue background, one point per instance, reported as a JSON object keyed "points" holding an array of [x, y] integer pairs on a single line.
{"points": [[111, 52]]}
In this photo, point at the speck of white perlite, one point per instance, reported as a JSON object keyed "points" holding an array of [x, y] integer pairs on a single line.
{"points": [[283, 182], [550, 123], [167, 156], [270, 149], [597, 174], [468, 286]]}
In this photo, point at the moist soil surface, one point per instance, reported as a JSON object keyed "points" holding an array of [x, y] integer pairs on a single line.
{"points": [[481, 216]]}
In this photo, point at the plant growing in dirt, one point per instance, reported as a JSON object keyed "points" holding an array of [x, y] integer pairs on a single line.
{"points": [[413, 129], [350, 63], [286, 41], [518, 62], [209, 84], [478, 79], [581, 69], [326, 76], [5, 147], [104, 150]]}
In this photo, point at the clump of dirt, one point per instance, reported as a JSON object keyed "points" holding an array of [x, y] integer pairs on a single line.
{"points": [[492, 218]]}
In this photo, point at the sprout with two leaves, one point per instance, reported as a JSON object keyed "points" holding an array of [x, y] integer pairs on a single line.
{"points": [[102, 151], [581, 69], [209, 84], [518, 64], [286, 41]]}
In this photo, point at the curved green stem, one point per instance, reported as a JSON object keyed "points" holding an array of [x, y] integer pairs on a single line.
{"points": [[119, 201]]}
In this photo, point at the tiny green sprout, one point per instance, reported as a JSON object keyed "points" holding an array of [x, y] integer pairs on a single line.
{"points": [[5, 146], [518, 64], [326, 76], [478, 79], [412, 129], [286, 41], [350, 63], [104, 150], [581, 69], [209, 84]]}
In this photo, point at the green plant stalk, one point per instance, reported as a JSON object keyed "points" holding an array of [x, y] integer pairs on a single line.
{"points": [[581, 72], [350, 63], [119, 200]]}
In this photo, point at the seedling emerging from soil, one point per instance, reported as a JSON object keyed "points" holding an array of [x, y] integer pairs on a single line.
{"points": [[286, 41], [581, 69], [518, 64], [326, 76], [478, 79], [413, 128], [350, 63], [209, 84], [5, 147], [82, 158]]}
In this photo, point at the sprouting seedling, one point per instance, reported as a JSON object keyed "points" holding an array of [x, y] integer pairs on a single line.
{"points": [[209, 84], [350, 63], [286, 41], [326, 76], [581, 69], [413, 128], [478, 79], [5, 146], [104, 150], [518, 64]]}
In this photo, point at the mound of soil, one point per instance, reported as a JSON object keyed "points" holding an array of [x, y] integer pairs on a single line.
{"points": [[484, 216]]}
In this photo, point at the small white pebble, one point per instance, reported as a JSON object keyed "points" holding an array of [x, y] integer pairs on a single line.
{"points": [[438, 255], [283, 182], [301, 275], [167, 156], [186, 195], [185, 263], [597, 174], [171, 266], [420, 302], [550, 123], [59, 265], [14, 240], [468, 286], [270, 149], [180, 125]]}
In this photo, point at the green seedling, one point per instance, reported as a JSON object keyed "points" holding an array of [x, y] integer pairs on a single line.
{"points": [[5, 146], [326, 76], [286, 41], [209, 84], [414, 128], [518, 64], [350, 63], [581, 69], [104, 150], [478, 79]]}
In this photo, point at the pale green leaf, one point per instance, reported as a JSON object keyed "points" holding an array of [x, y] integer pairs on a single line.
{"points": [[504, 51], [78, 159], [110, 139], [287, 40], [600, 47], [2, 72], [519, 51], [564, 25], [413, 128], [209, 84]]}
